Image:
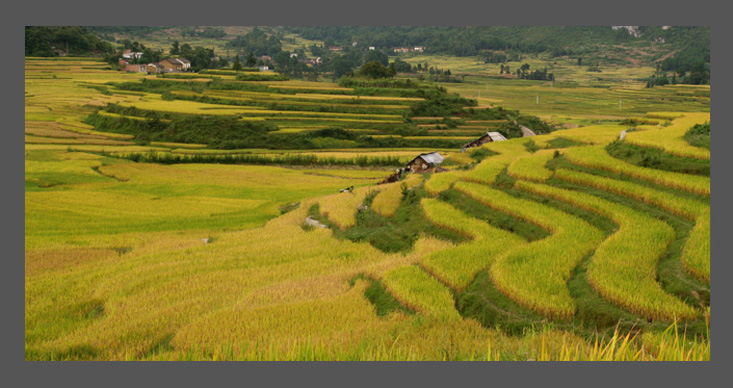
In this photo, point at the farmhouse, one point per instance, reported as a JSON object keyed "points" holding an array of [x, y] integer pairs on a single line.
{"points": [[401, 49], [264, 68], [136, 68], [335, 48], [171, 65], [419, 48], [488, 137], [155, 68], [424, 162], [129, 54]]}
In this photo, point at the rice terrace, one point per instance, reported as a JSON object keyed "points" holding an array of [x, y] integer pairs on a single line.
{"points": [[367, 193]]}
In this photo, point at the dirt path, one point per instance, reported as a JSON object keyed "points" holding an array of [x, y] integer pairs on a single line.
{"points": [[526, 132]]}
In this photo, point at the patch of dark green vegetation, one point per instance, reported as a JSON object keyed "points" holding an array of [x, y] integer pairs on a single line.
{"points": [[531, 146], [260, 159], [482, 301], [482, 153], [391, 234], [657, 159], [377, 294], [699, 135], [561, 142]]}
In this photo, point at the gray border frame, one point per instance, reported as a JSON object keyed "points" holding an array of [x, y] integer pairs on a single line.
{"points": [[332, 12]]}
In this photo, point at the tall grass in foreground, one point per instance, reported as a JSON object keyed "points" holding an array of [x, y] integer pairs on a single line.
{"points": [[538, 345]]}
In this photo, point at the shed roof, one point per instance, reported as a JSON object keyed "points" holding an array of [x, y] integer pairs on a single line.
{"points": [[431, 157], [496, 136]]}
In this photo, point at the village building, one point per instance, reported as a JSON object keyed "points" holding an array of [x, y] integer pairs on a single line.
{"points": [[129, 54], [401, 49], [309, 62], [175, 65], [136, 68], [371, 48], [155, 68], [293, 55], [488, 137], [335, 48], [425, 162], [264, 68], [265, 58], [419, 48]]}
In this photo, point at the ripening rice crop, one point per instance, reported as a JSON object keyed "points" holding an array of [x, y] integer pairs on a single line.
{"points": [[681, 206], [696, 255], [595, 134], [598, 157], [341, 208], [458, 265], [418, 290], [671, 139], [489, 168], [389, 199], [535, 275], [532, 167], [623, 268], [440, 182]]}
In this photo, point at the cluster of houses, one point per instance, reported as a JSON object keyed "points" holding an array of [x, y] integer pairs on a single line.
{"points": [[419, 49], [168, 65]]}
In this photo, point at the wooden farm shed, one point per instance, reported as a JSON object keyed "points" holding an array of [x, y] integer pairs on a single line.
{"points": [[424, 162], [488, 137]]}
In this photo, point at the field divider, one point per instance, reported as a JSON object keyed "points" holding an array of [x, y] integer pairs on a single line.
{"points": [[696, 254], [457, 266], [535, 275], [623, 267]]}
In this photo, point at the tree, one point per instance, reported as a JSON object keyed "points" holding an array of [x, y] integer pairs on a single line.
{"points": [[251, 61], [175, 49], [376, 56], [237, 66], [374, 69]]}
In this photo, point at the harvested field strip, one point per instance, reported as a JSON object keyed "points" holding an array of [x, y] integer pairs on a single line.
{"points": [[696, 254], [421, 292], [477, 127], [443, 181], [346, 120], [350, 97], [389, 199], [623, 268], [535, 275], [598, 157], [74, 140], [485, 121], [419, 118], [532, 167], [671, 139], [458, 266], [341, 208]]}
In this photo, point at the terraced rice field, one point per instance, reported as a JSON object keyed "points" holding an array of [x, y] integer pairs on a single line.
{"points": [[138, 261]]}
